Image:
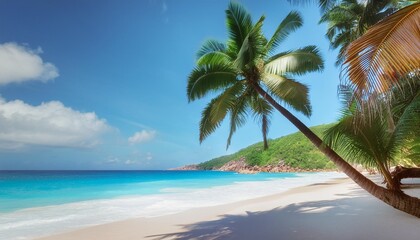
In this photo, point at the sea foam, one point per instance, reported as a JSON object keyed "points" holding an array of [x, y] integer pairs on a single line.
{"points": [[48, 220]]}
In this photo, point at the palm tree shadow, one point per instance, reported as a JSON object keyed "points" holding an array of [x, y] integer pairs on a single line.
{"points": [[337, 219]]}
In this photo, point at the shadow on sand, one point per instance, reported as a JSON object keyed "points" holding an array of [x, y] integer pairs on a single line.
{"points": [[350, 217]]}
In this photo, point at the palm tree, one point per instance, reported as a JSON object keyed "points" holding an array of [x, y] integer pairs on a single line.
{"points": [[247, 65], [381, 63], [386, 56], [374, 143], [349, 19], [248, 57]]}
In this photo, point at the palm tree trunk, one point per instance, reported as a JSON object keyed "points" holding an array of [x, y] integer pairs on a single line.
{"points": [[264, 131], [402, 172], [391, 184], [396, 199]]}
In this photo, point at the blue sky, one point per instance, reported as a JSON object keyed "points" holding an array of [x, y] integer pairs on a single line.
{"points": [[90, 84]]}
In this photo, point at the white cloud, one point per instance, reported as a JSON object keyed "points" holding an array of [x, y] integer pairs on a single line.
{"points": [[48, 124], [130, 162], [115, 160], [19, 64], [142, 136]]}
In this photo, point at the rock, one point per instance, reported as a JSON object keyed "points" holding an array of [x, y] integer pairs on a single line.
{"points": [[187, 167], [241, 166]]}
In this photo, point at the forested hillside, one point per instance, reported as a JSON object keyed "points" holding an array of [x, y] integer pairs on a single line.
{"points": [[295, 150]]}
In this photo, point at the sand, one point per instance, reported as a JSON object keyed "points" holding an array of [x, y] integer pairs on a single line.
{"points": [[337, 209]]}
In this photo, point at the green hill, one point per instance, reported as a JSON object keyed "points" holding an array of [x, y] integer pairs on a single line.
{"points": [[294, 149]]}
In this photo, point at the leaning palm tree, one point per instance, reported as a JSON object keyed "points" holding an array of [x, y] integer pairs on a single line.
{"points": [[248, 58], [247, 65]]}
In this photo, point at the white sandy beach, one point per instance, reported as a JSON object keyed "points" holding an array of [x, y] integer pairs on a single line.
{"points": [[337, 209]]}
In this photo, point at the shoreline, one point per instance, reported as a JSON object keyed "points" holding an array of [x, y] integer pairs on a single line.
{"points": [[335, 209], [179, 196]]}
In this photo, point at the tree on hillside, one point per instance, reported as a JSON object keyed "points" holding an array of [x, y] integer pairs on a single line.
{"points": [[247, 65]]}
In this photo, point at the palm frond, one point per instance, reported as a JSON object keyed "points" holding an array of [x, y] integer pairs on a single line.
{"points": [[292, 93], [289, 24], [298, 62], [260, 106], [262, 111], [209, 78], [238, 114], [252, 46], [414, 151], [210, 46], [325, 5], [214, 113], [407, 127], [239, 23], [387, 51], [360, 144], [207, 126], [214, 58]]}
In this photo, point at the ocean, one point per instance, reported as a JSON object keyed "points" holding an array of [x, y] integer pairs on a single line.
{"points": [[41, 203]]}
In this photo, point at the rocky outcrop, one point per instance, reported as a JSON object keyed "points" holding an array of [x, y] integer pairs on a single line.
{"points": [[235, 166], [241, 166], [187, 167]]}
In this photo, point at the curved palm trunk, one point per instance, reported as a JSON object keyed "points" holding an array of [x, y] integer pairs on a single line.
{"points": [[403, 172], [396, 199]]}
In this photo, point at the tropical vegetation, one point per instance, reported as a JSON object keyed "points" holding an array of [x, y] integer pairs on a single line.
{"points": [[247, 67], [381, 69], [386, 56], [389, 138], [349, 19], [293, 150]]}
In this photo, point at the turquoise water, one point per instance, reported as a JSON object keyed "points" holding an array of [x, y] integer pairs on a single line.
{"points": [[41, 203], [26, 189]]}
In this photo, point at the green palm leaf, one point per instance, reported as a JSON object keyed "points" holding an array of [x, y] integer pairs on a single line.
{"points": [[239, 24], [289, 24], [211, 46], [323, 4], [238, 114], [293, 93], [342, 138], [299, 62], [214, 58], [216, 110], [407, 128], [205, 79], [207, 125], [262, 111], [252, 47]]}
